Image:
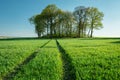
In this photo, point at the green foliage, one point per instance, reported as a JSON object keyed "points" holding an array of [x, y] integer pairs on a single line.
{"points": [[54, 22], [95, 17]]}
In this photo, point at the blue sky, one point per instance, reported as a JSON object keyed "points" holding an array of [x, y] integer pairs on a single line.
{"points": [[14, 15]]}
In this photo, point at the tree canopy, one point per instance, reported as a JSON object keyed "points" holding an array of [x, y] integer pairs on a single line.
{"points": [[54, 22]]}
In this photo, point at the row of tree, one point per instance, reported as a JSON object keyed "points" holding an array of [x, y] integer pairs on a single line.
{"points": [[54, 22]]}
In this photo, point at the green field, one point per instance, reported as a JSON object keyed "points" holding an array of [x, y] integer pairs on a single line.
{"points": [[64, 59]]}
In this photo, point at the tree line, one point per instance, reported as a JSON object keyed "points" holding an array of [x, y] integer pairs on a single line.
{"points": [[55, 22]]}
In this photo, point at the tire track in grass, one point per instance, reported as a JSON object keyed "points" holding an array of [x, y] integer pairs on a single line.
{"points": [[68, 68], [15, 71]]}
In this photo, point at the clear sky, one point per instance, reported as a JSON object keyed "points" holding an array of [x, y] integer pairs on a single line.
{"points": [[14, 15]]}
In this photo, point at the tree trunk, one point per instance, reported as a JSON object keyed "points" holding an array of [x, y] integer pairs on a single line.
{"points": [[70, 32], [55, 32], [88, 33], [84, 30], [91, 35], [51, 30], [79, 31], [62, 30], [59, 30], [47, 27], [39, 34]]}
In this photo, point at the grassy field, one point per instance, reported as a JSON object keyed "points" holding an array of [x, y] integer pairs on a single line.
{"points": [[14, 52], [47, 65], [64, 59], [95, 59]]}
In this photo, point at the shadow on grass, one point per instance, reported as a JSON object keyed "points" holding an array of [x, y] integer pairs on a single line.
{"points": [[49, 47], [42, 38], [69, 70], [89, 46], [106, 38], [22, 38], [116, 42], [19, 67]]}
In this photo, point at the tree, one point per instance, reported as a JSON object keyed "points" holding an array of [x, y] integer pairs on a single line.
{"points": [[80, 15], [95, 19], [38, 21], [50, 13], [68, 21], [54, 22]]}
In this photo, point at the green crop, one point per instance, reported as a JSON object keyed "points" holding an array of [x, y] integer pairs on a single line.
{"points": [[96, 59], [64, 59], [14, 52], [47, 65]]}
